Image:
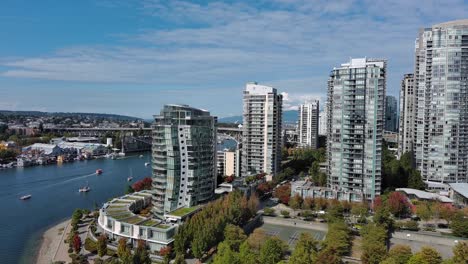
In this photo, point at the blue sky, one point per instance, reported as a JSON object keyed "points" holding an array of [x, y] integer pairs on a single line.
{"points": [[132, 56]]}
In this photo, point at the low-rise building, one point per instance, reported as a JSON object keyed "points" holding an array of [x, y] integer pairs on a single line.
{"points": [[307, 189], [459, 193], [425, 196]]}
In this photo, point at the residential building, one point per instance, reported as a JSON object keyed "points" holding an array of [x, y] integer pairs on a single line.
{"points": [[407, 112], [391, 113], [459, 193], [356, 101], [307, 189], [323, 122], [441, 88], [261, 137], [308, 124], [184, 158]]}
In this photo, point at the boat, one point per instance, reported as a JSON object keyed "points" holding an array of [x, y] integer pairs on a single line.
{"points": [[141, 156], [26, 197], [131, 175], [99, 171], [147, 164], [84, 189]]}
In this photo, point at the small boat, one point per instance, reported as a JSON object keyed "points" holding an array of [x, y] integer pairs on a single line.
{"points": [[147, 164], [26, 197], [130, 178], [141, 156], [84, 189], [99, 171], [131, 175]]}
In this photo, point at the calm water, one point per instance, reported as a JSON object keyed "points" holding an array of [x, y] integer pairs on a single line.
{"points": [[55, 195]]}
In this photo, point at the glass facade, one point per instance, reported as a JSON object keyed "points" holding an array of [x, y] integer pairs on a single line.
{"points": [[441, 122], [356, 96], [184, 158]]}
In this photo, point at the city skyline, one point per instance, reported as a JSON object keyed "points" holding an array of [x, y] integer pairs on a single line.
{"points": [[143, 53]]}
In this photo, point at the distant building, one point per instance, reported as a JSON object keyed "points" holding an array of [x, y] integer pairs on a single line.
{"points": [[391, 113], [184, 158], [356, 93], [424, 196], [441, 115], [261, 137], [323, 122], [308, 124], [407, 111]]}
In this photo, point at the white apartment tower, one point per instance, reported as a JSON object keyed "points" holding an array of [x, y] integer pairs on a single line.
{"points": [[356, 103], [261, 138], [309, 124], [441, 87], [323, 119], [407, 111]]}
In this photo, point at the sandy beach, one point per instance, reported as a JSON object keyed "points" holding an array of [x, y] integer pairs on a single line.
{"points": [[52, 246]]}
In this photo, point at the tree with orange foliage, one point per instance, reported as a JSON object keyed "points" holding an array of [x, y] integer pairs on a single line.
{"points": [[283, 193]]}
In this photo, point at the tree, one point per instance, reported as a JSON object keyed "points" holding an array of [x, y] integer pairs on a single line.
{"points": [[305, 250], [400, 253], [427, 255], [122, 248], [256, 239], [308, 203], [459, 225], [269, 211], [374, 248], [423, 210], [179, 259], [102, 245], [77, 243], [338, 238], [141, 253], [246, 254], [226, 255], [460, 252], [415, 180], [285, 213], [234, 236], [272, 251], [296, 202], [308, 215], [447, 212], [329, 255], [398, 203], [166, 252], [143, 184], [283, 193]]}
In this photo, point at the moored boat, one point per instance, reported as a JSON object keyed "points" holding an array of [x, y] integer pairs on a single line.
{"points": [[26, 197]]}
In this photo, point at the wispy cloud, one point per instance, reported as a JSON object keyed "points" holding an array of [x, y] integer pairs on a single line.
{"points": [[291, 44]]}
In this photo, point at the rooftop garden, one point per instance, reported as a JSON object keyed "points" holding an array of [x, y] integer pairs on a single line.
{"points": [[121, 216], [162, 226], [183, 211], [134, 219], [149, 222]]}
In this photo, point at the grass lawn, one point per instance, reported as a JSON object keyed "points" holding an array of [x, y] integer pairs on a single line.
{"points": [[133, 220], [149, 222]]}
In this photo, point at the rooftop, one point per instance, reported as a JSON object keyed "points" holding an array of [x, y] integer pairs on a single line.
{"points": [[461, 188], [181, 212], [425, 195]]}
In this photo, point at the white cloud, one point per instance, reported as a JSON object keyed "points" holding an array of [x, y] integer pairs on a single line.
{"points": [[292, 45]]}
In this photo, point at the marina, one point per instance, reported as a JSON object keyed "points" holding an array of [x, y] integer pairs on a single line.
{"points": [[51, 193]]}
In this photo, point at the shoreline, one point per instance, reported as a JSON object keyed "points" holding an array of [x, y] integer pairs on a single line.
{"points": [[51, 240]]}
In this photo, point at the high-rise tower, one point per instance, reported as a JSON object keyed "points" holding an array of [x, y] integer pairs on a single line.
{"points": [[309, 124], [356, 96], [407, 111], [441, 87], [184, 158], [261, 137]]}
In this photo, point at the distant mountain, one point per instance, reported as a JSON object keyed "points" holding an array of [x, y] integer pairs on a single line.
{"points": [[63, 114], [289, 116]]}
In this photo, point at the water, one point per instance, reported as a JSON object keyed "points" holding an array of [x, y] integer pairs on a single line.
{"points": [[55, 195]]}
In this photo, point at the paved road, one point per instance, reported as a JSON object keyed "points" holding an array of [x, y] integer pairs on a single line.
{"points": [[295, 223]]}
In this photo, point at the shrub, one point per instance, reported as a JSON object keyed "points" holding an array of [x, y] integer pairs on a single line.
{"points": [[269, 211], [285, 213], [90, 245]]}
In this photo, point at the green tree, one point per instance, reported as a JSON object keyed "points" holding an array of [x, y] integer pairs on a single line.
{"points": [[400, 253], [179, 259], [269, 211], [427, 255], [234, 236], [415, 180], [226, 255], [102, 245], [423, 210], [459, 225], [338, 238], [374, 248], [272, 251], [247, 255], [460, 252], [305, 250]]}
